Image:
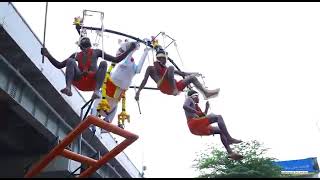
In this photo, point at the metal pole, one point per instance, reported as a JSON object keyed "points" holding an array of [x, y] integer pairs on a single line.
{"points": [[45, 28]]}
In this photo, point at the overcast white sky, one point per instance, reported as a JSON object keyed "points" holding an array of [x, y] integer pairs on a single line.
{"points": [[264, 57]]}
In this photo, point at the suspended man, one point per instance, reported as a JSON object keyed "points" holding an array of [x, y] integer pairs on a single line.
{"points": [[81, 67], [163, 76]]}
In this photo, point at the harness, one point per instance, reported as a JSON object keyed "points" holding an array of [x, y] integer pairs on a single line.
{"points": [[162, 69], [84, 63]]}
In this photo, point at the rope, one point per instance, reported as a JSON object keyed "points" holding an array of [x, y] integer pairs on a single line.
{"points": [[164, 43], [149, 57], [152, 55], [97, 40], [142, 130], [81, 21], [142, 154], [155, 37], [102, 30], [202, 77], [175, 45], [90, 101]]}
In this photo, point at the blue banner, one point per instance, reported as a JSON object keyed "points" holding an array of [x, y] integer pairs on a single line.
{"points": [[309, 165]]}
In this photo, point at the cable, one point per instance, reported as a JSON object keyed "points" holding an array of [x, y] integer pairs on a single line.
{"points": [[142, 155], [164, 44], [149, 57], [175, 44], [91, 100], [102, 30]]}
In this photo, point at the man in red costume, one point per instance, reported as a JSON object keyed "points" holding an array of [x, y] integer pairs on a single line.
{"points": [[81, 67], [199, 123], [167, 84]]}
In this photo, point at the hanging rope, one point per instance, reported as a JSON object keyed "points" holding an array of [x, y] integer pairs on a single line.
{"points": [[97, 40], [102, 30], [175, 45], [143, 168], [82, 33], [202, 77], [149, 57], [189, 86], [164, 43], [45, 29]]}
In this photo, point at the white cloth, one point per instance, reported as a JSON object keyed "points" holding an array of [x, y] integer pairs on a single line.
{"points": [[124, 72]]}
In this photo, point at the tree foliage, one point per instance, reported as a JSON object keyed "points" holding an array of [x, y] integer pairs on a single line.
{"points": [[213, 163]]}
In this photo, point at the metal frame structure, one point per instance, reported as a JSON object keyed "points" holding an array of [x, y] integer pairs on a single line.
{"points": [[93, 164]]}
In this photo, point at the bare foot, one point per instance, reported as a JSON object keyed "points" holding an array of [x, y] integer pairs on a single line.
{"points": [[212, 94], [66, 91], [234, 141], [235, 156], [95, 95]]}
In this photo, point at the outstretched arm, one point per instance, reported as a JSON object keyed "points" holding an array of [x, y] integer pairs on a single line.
{"points": [[183, 74], [141, 62], [143, 83], [117, 58], [53, 61]]}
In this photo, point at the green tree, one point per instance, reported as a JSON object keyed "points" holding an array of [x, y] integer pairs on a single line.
{"points": [[213, 163]]}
